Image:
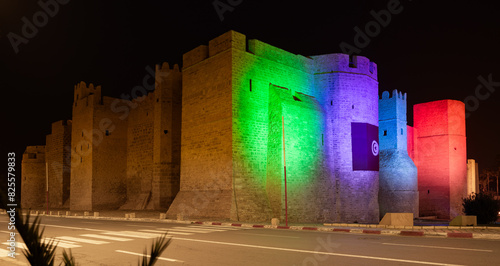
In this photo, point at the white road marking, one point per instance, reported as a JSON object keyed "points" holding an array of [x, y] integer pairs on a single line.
{"points": [[190, 230], [317, 252], [423, 246], [139, 254], [107, 237], [133, 234], [18, 244], [82, 240], [169, 232], [201, 230], [63, 243], [140, 225], [218, 227], [267, 235], [72, 227], [5, 253]]}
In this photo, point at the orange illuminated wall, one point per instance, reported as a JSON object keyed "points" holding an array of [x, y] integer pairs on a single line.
{"points": [[439, 152]]}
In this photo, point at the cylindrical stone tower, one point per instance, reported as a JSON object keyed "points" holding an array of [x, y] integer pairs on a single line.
{"points": [[398, 191], [441, 157], [348, 90]]}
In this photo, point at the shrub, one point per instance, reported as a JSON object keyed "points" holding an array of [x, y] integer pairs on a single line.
{"points": [[481, 205]]}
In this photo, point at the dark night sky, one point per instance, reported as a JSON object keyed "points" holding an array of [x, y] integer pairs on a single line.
{"points": [[430, 50]]}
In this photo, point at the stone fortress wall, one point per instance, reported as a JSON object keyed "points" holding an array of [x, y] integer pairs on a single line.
{"points": [[232, 102]]}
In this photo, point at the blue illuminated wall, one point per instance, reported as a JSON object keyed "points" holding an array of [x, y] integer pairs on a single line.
{"points": [[398, 190]]}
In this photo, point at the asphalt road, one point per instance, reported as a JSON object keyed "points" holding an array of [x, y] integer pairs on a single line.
{"points": [[106, 242]]}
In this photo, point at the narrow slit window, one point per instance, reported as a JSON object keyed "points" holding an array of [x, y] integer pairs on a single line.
{"points": [[385, 132], [250, 84], [352, 61]]}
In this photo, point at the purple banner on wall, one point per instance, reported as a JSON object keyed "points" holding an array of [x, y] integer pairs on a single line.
{"points": [[365, 148]]}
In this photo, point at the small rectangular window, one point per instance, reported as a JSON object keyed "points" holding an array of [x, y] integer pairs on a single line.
{"points": [[385, 132]]}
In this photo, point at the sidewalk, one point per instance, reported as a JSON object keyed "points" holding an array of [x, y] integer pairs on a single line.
{"points": [[430, 229]]}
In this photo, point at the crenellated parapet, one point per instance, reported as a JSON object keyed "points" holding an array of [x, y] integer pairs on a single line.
{"points": [[344, 63], [165, 67], [237, 41], [395, 95], [82, 92], [392, 106]]}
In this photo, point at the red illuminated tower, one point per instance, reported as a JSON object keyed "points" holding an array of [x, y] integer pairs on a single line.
{"points": [[441, 157]]}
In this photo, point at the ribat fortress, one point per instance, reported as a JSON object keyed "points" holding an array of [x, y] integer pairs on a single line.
{"points": [[213, 140]]}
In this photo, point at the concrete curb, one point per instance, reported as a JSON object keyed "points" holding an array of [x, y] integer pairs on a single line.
{"points": [[372, 229], [412, 233]]}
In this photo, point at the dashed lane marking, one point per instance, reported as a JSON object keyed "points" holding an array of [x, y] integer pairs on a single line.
{"points": [[133, 234], [82, 240], [169, 232], [107, 237], [139, 254], [423, 246]]}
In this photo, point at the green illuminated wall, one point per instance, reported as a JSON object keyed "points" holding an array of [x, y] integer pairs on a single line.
{"points": [[265, 81]]}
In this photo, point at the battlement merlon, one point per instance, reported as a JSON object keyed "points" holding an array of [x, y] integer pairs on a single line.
{"points": [[165, 74], [338, 62], [395, 94], [81, 92], [392, 106], [236, 40], [165, 67], [61, 123], [34, 154], [228, 40]]}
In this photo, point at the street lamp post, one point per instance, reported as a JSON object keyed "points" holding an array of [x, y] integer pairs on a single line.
{"points": [[284, 167]]}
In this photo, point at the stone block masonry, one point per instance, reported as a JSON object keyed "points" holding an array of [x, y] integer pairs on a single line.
{"points": [[58, 159], [114, 152], [441, 157], [234, 95], [33, 179], [398, 183], [98, 152], [211, 142]]}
